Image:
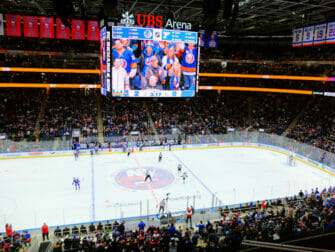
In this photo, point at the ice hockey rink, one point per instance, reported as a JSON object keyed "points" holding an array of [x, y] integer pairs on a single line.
{"points": [[37, 190]]}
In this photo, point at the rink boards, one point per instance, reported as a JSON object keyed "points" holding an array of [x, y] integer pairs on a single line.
{"points": [[62, 153]]}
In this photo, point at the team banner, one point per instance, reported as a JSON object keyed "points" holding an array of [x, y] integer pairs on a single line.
{"points": [[308, 35], [62, 31], [320, 34], [1, 25], [331, 33], [213, 40], [202, 35], [78, 29], [30, 26], [13, 25], [297, 37], [47, 27], [93, 30]]}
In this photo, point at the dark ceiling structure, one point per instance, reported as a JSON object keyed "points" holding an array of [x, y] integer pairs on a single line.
{"points": [[253, 17]]}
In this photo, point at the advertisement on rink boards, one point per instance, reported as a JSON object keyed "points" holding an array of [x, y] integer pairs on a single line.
{"points": [[106, 151], [148, 62]]}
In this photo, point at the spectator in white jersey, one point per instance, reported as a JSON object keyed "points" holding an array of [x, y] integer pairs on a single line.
{"points": [[120, 79]]}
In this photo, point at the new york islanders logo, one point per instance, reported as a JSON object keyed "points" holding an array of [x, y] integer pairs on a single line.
{"points": [[147, 61], [189, 58], [123, 63], [133, 178]]}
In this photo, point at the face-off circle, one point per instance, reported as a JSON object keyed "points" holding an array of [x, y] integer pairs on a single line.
{"points": [[133, 178]]}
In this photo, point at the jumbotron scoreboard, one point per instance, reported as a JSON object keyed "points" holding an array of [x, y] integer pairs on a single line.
{"points": [[149, 62]]}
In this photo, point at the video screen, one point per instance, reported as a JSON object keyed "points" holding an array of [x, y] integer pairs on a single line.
{"points": [[103, 61], [149, 62]]}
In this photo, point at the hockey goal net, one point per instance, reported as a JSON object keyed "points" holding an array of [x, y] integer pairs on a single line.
{"points": [[291, 160]]}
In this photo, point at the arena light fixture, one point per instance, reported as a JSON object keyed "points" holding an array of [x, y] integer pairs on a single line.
{"points": [[49, 70], [47, 85], [262, 76], [255, 89], [223, 75]]}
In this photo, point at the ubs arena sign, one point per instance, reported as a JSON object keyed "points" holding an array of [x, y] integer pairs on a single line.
{"points": [[129, 19]]}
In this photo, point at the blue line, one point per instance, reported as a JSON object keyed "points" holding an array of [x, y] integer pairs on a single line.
{"points": [[202, 183], [93, 191]]}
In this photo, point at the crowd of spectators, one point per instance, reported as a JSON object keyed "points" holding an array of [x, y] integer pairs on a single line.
{"points": [[120, 117], [208, 113], [305, 214], [262, 49], [317, 125], [65, 111], [14, 240], [19, 109], [68, 60]]}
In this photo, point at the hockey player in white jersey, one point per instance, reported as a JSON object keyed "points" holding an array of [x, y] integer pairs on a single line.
{"points": [[184, 176], [179, 169]]}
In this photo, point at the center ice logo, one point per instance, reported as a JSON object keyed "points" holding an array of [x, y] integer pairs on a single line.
{"points": [[133, 178]]}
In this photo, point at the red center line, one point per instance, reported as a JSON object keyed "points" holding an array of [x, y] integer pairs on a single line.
{"points": [[152, 191]]}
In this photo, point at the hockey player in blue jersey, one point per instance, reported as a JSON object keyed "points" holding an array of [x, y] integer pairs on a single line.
{"points": [[76, 183], [129, 62], [188, 65], [76, 153], [92, 151]]}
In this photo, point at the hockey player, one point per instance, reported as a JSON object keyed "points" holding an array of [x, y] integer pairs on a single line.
{"points": [[179, 169], [147, 176], [76, 154], [76, 183], [323, 157], [291, 160], [188, 65], [92, 151], [128, 154], [160, 157], [184, 176]]}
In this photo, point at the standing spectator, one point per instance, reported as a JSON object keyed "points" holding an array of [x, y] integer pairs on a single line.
{"points": [[189, 215], [172, 230], [9, 230], [141, 226], [92, 228], [121, 228], [201, 228], [161, 206], [45, 231]]}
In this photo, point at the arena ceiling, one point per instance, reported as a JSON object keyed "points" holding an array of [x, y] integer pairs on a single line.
{"points": [[255, 17]]}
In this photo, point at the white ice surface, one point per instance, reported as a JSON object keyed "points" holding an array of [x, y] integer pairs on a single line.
{"points": [[37, 190]]}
